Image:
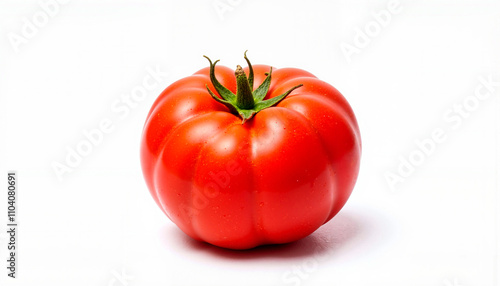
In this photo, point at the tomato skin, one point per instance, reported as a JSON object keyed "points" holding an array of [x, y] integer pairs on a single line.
{"points": [[274, 179]]}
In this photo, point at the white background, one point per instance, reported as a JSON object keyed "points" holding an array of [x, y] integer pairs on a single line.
{"points": [[99, 225]]}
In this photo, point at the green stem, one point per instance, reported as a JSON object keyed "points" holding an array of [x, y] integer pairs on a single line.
{"points": [[246, 102], [244, 96]]}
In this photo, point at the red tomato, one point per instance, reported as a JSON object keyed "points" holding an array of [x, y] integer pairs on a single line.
{"points": [[250, 167]]}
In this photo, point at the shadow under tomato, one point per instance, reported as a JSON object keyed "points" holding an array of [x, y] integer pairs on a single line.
{"points": [[332, 236]]}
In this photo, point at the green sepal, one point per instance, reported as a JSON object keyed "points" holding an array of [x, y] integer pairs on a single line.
{"points": [[262, 90], [275, 100], [230, 105], [222, 90], [250, 71]]}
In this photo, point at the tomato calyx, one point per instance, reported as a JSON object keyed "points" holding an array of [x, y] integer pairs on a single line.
{"points": [[246, 102]]}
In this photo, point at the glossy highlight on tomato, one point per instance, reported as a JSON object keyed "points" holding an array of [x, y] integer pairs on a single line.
{"points": [[255, 156]]}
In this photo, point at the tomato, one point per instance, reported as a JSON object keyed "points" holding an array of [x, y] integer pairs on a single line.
{"points": [[240, 161]]}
